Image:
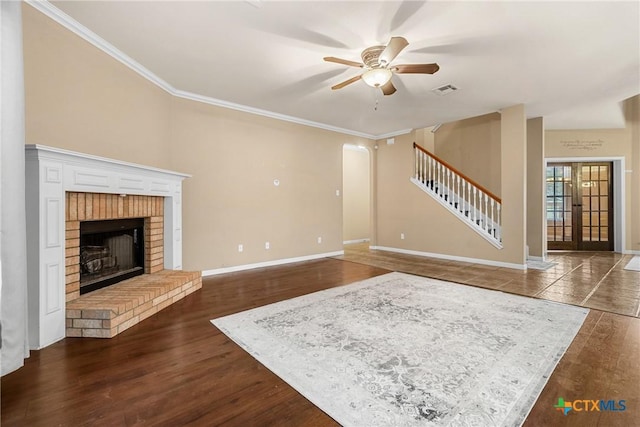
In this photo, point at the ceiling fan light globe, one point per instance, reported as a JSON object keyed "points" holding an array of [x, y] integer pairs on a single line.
{"points": [[377, 77]]}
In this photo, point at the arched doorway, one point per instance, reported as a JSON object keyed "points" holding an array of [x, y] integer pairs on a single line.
{"points": [[356, 189]]}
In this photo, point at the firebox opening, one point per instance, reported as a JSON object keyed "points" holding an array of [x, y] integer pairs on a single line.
{"points": [[110, 251]]}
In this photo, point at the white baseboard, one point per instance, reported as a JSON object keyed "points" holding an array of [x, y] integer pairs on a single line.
{"points": [[626, 252], [348, 242], [453, 258], [272, 263], [535, 258]]}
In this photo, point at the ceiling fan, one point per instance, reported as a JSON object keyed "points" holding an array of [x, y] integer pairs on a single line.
{"points": [[376, 61]]}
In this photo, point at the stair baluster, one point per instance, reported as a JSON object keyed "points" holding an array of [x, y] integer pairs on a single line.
{"points": [[472, 203]]}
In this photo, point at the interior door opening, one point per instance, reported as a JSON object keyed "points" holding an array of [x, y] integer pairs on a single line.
{"points": [[356, 192], [579, 206]]}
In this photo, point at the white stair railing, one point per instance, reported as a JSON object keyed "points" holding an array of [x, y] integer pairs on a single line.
{"points": [[473, 204]]}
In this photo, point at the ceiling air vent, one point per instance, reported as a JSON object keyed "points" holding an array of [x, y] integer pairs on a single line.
{"points": [[443, 90]]}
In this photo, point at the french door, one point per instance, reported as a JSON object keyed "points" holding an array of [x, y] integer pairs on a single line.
{"points": [[580, 206]]}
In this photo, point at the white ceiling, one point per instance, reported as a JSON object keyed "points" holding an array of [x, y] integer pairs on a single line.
{"points": [[571, 62]]}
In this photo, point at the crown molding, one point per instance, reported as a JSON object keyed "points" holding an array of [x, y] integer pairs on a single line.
{"points": [[49, 10], [80, 30], [392, 134], [252, 110]]}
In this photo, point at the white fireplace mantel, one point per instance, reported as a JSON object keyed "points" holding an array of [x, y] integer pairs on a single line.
{"points": [[50, 172]]}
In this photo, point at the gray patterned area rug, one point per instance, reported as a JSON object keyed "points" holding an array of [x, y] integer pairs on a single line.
{"points": [[402, 350]]}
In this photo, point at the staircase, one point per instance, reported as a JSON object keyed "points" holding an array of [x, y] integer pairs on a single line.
{"points": [[469, 201]]}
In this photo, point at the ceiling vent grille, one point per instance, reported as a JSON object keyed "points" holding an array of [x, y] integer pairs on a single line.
{"points": [[444, 90]]}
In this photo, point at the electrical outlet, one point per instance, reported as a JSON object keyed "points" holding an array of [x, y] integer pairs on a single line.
{"points": [[338, 193], [401, 236], [267, 245], [319, 239], [240, 248]]}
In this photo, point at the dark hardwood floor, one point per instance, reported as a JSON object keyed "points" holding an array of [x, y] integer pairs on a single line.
{"points": [[176, 368]]}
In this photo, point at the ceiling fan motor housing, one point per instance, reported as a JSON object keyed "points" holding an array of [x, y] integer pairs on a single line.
{"points": [[371, 55]]}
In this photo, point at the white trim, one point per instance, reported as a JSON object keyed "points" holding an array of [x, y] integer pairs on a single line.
{"points": [[582, 159], [466, 220], [252, 110], [619, 203], [392, 134], [49, 174], [243, 267], [535, 258], [352, 147], [348, 242], [83, 32], [452, 257], [80, 30], [75, 157], [630, 252]]}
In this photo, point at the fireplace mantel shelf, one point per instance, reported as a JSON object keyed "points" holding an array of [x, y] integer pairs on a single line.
{"points": [[50, 174], [88, 158]]}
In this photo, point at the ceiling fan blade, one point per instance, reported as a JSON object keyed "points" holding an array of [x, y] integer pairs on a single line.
{"points": [[343, 61], [395, 46], [346, 82], [416, 68], [388, 88]]}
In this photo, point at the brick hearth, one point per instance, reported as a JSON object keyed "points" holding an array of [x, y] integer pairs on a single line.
{"points": [[109, 311]]}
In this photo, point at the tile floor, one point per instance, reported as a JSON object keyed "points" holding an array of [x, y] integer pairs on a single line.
{"points": [[589, 279]]}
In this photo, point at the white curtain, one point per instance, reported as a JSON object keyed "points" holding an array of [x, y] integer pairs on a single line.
{"points": [[13, 246]]}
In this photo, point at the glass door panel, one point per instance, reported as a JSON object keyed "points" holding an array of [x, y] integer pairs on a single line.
{"points": [[579, 206], [596, 206], [559, 195]]}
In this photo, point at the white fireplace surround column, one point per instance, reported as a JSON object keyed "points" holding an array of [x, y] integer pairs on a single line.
{"points": [[50, 172]]}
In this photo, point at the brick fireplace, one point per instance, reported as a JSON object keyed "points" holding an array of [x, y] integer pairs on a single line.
{"points": [[95, 206], [65, 188]]}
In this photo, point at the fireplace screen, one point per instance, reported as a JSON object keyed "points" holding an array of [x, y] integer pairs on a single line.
{"points": [[110, 251]]}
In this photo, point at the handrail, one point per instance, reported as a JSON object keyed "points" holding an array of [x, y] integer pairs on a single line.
{"points": [[471, 181]]}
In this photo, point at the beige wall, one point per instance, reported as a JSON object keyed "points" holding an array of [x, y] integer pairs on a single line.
{"points": [[607, 143], [427, 226], [473, 147], [514, 187], [356, 191], [425, 138], [81, 99], [536, 213], [402, 208], [588, 143], [234, 158]]}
